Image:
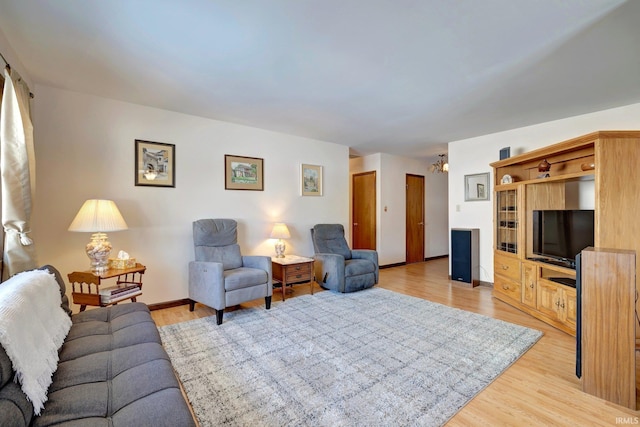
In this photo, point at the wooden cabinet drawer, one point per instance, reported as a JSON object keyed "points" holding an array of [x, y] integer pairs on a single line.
{"points": [[506, 266], [298, 272], [507, 287]]}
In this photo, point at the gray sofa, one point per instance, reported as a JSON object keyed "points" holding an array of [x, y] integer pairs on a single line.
{"points": [[112, 371]]}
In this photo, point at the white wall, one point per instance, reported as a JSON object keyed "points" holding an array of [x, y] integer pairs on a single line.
{"points": [[85, 149], [391, 172], [10, 55], [473, 155]]}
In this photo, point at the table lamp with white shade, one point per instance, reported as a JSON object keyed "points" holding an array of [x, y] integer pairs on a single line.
{"points": [[280, 231], [98, 217]]}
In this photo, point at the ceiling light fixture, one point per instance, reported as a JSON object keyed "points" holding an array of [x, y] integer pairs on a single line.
{"points": [[441, 166]]}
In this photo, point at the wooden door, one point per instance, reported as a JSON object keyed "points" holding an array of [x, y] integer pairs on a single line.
{"points": [[415, 218], [363, 230]]}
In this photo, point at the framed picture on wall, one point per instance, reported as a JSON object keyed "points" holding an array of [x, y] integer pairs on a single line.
{"points": [[476, 187], [155, 164], [311, 180], [243, 173]]}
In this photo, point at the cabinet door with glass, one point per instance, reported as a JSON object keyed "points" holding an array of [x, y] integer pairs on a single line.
{"points": [[508, 220]]}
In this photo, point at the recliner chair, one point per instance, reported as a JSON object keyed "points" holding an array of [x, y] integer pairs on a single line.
{"points": [[339, 268], [220, 276]]}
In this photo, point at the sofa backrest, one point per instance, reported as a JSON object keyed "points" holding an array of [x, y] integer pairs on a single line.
{"points": [[15, 408], [63, 287]]}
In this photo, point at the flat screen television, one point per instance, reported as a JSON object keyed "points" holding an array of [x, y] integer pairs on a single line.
{"points": [[562, 234]]}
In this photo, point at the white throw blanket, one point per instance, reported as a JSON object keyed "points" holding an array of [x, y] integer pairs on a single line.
{"points": [[33, 327]]}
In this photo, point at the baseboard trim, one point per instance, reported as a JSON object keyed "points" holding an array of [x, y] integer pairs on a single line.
{"points": [[169, 304], [185, 301], [399, 264]]}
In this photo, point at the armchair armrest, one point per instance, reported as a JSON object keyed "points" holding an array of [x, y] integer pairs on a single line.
{"points": [[206, 283], [369, 254], [262, 263], [257, 261], [329, 271]]}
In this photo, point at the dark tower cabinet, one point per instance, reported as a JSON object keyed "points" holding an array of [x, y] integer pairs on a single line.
{"points": [[465, 257]]}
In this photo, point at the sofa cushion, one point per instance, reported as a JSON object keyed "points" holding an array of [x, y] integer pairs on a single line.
{"points": [[244, 277], [356, 267]]}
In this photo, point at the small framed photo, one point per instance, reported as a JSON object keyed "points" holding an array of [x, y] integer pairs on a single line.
{"points": [[155, 164], [311, 180], [243, 173], [482, 193], [476, 187]]}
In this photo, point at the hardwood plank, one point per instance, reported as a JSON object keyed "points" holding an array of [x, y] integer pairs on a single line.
{"points": [[539, 389]]}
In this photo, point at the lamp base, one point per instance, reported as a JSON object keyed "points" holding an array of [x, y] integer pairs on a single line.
{"points": [[280, 247], [98, 250]]}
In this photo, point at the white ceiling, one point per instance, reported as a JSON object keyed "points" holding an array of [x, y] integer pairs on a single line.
{"points": [[394, 76]]}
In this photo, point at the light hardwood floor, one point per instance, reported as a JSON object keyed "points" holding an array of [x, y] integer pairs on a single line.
{"points": [[540, 389]]}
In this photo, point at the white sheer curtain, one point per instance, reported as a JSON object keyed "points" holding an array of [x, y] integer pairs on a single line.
{"points": [[17, 171]]}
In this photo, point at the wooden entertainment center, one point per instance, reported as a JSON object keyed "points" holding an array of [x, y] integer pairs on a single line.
{"points": [[607, 164]]}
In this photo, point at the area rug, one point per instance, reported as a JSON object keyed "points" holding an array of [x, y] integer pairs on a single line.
{"points": [[369, 358]]}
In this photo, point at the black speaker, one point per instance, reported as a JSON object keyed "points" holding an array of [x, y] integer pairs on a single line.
{"points": [[465, 260]]}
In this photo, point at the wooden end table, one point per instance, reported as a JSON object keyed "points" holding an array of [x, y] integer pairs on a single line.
{"points": [[85, 286], [292, 270]]}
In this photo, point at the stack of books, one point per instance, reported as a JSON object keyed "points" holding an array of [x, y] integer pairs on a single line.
{"points": [[117, 293]]}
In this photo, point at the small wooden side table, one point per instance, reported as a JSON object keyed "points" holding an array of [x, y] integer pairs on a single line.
{"points": [[292, 270], [85, 286]]}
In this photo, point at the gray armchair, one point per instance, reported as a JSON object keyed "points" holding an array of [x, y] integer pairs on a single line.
{"points": [[339, 268], [220, 276]]}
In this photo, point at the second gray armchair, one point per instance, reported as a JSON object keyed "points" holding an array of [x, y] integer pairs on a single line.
{"points": [[339, 268], [220, 276]]}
